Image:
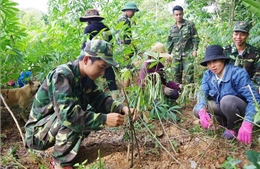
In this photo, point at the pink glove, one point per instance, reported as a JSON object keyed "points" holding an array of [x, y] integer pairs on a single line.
{"points": [[205, 119], [245, 133]]}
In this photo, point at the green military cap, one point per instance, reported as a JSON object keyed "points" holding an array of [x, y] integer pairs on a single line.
{"points": [[242, 26], [101, 49], [130, 6]]}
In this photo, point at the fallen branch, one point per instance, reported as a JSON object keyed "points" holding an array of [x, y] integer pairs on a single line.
{"points": [[165, 131], [206, 150], [159, 141], [16, 122]]}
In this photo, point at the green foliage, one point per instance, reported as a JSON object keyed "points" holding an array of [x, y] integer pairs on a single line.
{"points": [[38, 156], [11, 40], [32, 19], [99, 164], [55, 43], [164, 112], [253, 6], [153, 151], [188, 93], [63, 21], [10, 159], [201, 15], [81, 165], [153, 88], [68, 12], [254, 158], [46, 52], [257, 115], [231, 163], [253, 39], [126, 74], [43, 41], [195, 129]]}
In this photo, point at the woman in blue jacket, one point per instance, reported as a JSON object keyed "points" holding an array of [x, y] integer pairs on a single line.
{"points": [[225, 92]]}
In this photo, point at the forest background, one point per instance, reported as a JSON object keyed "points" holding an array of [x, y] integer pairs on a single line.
{"points": [[40, 41], [31, 39]]}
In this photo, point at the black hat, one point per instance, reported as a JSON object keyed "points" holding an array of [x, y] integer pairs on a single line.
{"points": [[214, 52]]}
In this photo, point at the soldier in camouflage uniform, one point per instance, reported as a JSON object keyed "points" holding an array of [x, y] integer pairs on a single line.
{"points": [[183, 43], [124, 36], [59, 116], [243, 54], [128, 12]]}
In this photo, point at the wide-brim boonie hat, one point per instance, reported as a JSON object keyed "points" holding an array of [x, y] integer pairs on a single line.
{"points": [[214, 52], [158, 50], [91, 14], [130, 6]]}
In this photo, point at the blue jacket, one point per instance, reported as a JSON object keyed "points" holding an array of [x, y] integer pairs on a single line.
{"points": [[234, 82], [23, 78]]}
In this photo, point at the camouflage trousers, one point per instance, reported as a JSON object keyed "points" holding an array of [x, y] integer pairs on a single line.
{"points": [[51, 133], [184, 69]]}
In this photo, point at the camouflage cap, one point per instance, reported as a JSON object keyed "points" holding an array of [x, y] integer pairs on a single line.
{"points": [[101, 49], [242, 26]]}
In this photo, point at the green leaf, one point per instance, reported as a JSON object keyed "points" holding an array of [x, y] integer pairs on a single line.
{"points": [[253, 6], [161, 110], [173, 116], [253, 157]]}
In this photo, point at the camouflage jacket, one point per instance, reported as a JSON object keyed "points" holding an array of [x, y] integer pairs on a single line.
{"points": [[248, 60], [65, 93], [183, 39], [125, 35]]}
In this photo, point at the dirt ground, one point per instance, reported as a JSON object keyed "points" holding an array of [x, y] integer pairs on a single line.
{"points": [[191, 147]]}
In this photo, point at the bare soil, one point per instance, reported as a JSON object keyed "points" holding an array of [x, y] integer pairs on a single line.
{"points": [[192, 147]]}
